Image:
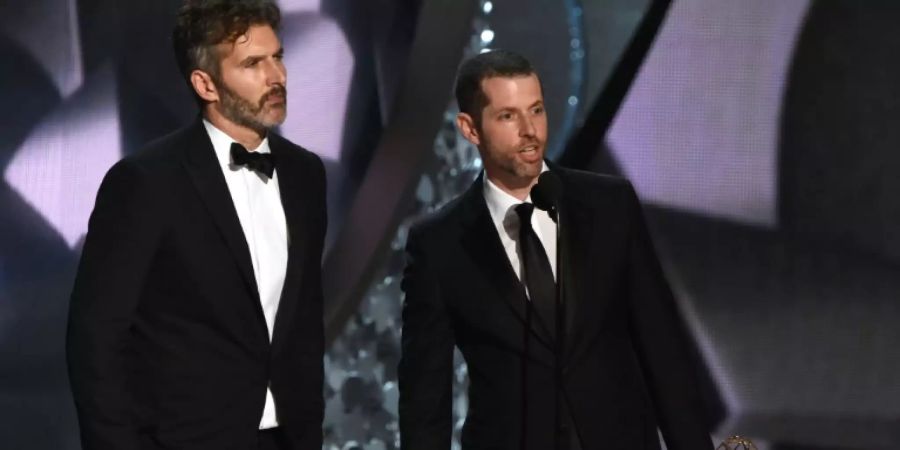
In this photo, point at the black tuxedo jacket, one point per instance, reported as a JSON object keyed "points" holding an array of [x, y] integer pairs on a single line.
{"points": [[625, 364], [167, 344]]}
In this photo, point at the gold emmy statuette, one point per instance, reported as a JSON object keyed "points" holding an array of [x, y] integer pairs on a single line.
{"points": [[736, 443]]}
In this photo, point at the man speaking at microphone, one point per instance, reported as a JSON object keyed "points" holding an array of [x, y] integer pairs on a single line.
{"points": [[552, 292]]}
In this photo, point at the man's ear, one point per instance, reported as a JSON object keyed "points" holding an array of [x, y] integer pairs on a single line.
{"points": [[204, 86], [466, 125]]}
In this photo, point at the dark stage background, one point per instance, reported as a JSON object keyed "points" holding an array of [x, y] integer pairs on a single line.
{"points": [[761, 135]]}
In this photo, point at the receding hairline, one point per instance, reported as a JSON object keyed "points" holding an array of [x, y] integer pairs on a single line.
{"points": [[489, 101], [472, 73]]}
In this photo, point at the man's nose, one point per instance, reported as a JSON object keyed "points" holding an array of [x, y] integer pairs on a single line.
{"points": [[527, 128], [276, 73]]}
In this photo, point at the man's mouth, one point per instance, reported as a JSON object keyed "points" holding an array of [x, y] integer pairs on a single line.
{"points": [[274, 96], [530, 154]]}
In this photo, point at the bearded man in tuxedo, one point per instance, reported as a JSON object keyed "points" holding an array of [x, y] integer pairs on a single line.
{"points": [[196, 317]]}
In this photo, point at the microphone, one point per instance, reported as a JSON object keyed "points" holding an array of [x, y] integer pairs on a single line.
{"points": [[546, 193]]}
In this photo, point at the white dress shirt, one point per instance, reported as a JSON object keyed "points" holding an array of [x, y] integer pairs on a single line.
{"points": [[503, 212], [257, 201]]}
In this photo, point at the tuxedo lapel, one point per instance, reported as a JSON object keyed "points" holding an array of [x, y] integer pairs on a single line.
{"points": [[576, 243], [577, 240], [483, 246], [207, 177], [296, 199]]}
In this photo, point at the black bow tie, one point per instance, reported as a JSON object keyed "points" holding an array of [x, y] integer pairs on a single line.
{"points": [[263, 163]]}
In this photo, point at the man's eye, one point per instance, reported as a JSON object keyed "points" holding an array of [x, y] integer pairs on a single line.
{"points": [[505, 116], [539, 110]]}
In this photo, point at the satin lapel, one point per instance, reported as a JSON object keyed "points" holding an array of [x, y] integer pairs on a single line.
{"points": [[483, 245], [576, 242], [297, 201], [207, 177]]}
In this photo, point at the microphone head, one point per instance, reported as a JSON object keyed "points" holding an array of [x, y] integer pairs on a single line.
{"points": [[547, 192]]}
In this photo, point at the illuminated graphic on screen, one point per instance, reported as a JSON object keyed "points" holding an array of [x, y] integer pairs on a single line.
{"points": [[729, 62]]}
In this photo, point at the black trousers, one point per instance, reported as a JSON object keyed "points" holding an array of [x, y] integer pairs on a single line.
{"points": [[272, 439]]}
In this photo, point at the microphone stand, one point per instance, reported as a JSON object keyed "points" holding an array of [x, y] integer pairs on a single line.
{"points": [[557, 353], [558, 350], [550, 204], [523, 439], [560, 322]]}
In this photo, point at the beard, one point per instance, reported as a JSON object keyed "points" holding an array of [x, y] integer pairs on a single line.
{"points": [[514, 167], [521, 169], [259, 116]]}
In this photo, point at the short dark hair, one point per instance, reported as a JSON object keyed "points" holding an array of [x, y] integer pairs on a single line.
{"points": [[470, 98], [202, 24]]}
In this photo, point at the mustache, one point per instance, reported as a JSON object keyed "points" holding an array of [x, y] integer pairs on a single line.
{"points": [[278, 90], [528, 142]]}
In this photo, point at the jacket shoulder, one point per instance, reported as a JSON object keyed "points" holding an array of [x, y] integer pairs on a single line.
{"points": [[154, 160], [440, 223], [594, 189], [306, 156], [581, 179]]}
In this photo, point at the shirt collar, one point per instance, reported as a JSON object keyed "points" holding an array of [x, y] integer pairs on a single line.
{"points": [[501, 204], [222, 144]]}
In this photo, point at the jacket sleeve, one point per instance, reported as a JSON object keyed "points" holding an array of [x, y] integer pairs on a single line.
{"points": [[121, 240], [662, 342], [426, 365]]}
